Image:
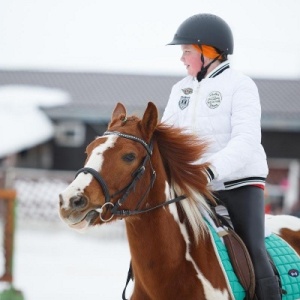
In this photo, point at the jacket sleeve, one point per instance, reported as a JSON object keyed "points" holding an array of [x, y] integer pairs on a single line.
{"points": [[245, 131]]}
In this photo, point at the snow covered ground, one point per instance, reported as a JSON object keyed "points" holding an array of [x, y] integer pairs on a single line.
{"points": [[56, 263]]}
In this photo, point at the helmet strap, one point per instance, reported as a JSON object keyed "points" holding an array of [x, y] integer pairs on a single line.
{"points": [[201, 74]]}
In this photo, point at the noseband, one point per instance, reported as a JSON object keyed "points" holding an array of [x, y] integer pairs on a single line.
{"points": [[137, 174]]}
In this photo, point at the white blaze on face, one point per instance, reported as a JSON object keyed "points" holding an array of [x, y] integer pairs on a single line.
{"points": [[83, 180]]}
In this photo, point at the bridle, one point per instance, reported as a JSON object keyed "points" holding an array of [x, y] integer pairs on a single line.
{"points": [[137, 174]]}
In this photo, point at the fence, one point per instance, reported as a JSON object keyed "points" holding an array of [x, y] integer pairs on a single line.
{"points": [[7, 205], [32, 202], [37, 201], [37, 194]]}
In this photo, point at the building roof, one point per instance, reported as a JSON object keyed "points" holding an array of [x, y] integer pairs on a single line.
{"points": [[94, 95]]}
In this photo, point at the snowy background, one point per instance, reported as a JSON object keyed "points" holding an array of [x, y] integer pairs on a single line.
{"points": [[22, 123], [54, 263], [51, 261]]}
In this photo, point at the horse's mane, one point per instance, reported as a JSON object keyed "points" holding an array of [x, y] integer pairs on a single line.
{"points": [[180, 152]]}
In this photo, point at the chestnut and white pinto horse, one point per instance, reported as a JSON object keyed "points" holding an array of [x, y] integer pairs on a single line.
{"points": [[144, 172]]}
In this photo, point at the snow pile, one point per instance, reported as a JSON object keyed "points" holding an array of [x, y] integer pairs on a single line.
{"points": [[22, 123]]}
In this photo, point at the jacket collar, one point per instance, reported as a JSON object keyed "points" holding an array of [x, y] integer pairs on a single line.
{"points": [[218, 70]]}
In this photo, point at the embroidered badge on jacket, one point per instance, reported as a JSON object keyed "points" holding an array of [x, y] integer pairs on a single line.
{"points": [[214, 99], [187, 91], [184, 102]]}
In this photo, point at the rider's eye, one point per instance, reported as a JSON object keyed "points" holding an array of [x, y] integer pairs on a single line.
{"points": [[129, 157]]}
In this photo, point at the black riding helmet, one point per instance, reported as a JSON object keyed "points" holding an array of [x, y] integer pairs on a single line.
{"points": [[205, 29]]}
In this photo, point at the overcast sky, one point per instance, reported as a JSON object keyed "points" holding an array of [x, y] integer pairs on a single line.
{"points": [[130, 36]]}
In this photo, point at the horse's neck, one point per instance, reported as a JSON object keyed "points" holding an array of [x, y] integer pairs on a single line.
{"points": [[160, 247], [155, 237], [161, 244]]}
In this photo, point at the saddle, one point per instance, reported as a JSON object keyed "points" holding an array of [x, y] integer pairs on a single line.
{"points": [[239, 255]]}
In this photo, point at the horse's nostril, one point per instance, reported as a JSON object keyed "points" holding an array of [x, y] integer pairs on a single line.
{"points": [[61, 201], [78, 201]]}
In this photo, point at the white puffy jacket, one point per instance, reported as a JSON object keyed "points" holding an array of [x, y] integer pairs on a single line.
{"points": [[224, 109]]}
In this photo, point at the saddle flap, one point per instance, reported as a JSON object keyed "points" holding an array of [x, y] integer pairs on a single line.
{"points": [[241, 261], [238, 254]]}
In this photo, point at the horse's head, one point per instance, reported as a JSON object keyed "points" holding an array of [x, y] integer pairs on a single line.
{"points": [[114, 170]]}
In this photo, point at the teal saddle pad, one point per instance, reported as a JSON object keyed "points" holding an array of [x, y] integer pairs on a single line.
{"points": [[287, 262], [285, 258]]}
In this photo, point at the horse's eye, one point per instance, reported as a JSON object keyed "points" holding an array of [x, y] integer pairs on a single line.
{"points": [[129, 157]]}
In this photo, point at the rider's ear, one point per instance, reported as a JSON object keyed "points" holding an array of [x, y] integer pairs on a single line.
{"points": [[149, 121]]}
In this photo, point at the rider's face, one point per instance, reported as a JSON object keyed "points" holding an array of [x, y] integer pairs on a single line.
{"points": [[191, 59]]}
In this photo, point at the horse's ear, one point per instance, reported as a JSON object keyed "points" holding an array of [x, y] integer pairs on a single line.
{"points": [[149, 120], [118, 111]]}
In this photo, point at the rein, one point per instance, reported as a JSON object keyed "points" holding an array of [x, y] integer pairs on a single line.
{"points": [[114, 207]]}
